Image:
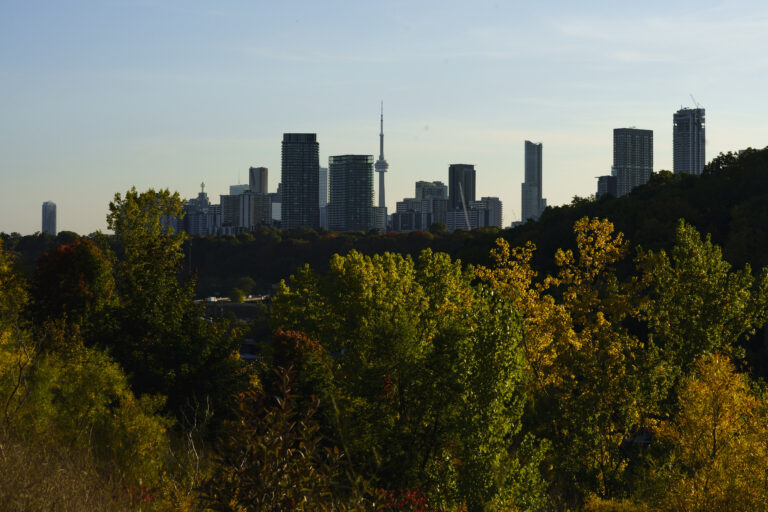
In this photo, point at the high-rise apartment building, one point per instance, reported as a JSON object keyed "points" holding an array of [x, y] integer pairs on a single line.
{"points": [[323, 196], [300, 177], [257, 180], [632, 158], [49, 218], [351, 205], [688, 141], [461, 180], [532, 204], [494, 210], [322, 191], [260, 202], [231, 210]]}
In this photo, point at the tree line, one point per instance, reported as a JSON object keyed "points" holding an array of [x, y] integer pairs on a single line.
{"points": [[728, 201]]}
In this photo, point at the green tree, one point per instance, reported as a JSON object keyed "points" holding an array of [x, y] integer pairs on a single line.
{"points": [[17, 350], [74, 282], [593, 383], [79, 398], [419, 370], [13, 293], [237, 296], [161, 338], [245, 283], [696, 303], [73, 397]]}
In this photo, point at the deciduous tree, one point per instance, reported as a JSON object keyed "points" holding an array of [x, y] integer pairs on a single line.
{"points": [[424, 387]]}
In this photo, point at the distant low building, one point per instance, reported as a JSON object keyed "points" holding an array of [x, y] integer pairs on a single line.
{"points": [[200, 216], [411, 220], [487, 212], [607, 186], [414, 214], [380, 219]]}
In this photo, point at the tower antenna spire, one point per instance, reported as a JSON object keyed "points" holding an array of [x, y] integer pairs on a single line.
{"points": [[381, 165], [381, 133]]}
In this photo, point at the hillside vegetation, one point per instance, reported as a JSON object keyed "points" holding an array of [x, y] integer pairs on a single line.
{"points": [[607, 357]]}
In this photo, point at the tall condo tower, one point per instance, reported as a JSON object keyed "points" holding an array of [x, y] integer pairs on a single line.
{"points": [[257, 180], [49, 218], [461, 179], [632, 158], [300, 180], [688, 140], [532, 202], [351, 205], [322, 196], [381, 165]]}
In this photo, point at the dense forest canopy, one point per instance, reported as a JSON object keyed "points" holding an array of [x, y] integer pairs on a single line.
{"points": [[608, 357]]}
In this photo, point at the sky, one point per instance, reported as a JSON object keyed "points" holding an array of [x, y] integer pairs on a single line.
{"points": [[97, 97]]}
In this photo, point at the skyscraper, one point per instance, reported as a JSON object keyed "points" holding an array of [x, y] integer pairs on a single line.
{"points": [[230, 212], [323, 196], [351, 205], [532, 202], [49, 218], [688, 140], [632, 158], [461, 179], [260, 202], [257, 180], [300, 168]]}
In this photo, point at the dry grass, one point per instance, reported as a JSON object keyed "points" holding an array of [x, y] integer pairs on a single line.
{"points": [[39, 478]]}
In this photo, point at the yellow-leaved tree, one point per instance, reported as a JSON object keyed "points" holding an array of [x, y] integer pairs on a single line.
{"points": [[593, 382], [719, 443]]}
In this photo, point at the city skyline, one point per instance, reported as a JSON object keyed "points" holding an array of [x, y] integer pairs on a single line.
{"points": [[102, 96]]}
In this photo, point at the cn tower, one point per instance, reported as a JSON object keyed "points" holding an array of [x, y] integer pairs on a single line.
{"points": [[381, 165]]}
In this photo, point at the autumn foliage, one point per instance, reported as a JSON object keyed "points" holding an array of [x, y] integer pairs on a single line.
{"points": [[619, 378]]}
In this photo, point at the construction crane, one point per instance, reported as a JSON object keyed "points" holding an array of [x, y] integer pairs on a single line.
{"points": [[464, 205], [696, 103]]}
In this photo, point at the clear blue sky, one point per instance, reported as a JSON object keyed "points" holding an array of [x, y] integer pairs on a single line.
{"points": [[99, 96]]}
